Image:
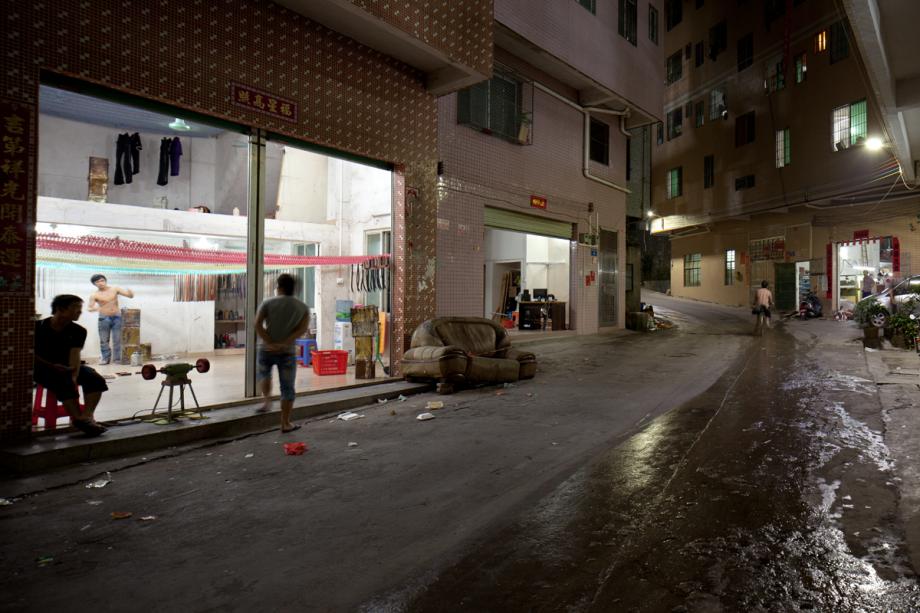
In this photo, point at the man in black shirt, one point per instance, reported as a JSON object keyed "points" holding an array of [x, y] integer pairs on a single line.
{"points": [[58, 341]]}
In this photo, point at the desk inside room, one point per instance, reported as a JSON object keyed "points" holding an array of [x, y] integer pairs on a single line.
{"points": [[530, 315]]}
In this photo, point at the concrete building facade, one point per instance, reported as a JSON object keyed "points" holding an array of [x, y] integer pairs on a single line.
{"points": [[764, 166], [581, 80]]}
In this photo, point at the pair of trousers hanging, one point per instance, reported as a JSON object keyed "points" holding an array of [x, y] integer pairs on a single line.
{"points": [[127, 157], [170, 152]]}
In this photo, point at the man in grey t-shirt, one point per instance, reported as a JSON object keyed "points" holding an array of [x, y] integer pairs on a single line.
{"points": [[279, 322]]}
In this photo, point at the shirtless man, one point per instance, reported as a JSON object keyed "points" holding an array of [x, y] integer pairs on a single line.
{"points": [[106, 302]]}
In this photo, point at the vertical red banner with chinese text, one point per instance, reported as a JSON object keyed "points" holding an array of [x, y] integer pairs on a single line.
{"points": [[16, 160]]}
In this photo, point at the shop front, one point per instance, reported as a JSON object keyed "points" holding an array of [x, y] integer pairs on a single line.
{"points": [[528, 272], [865, 266], [160, 206]]}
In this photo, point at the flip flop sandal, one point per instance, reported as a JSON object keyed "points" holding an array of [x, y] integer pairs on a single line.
{"points": [[87, 428], [296, 427]]}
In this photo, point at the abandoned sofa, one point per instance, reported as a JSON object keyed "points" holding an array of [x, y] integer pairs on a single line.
{"points": [[465, 350]]}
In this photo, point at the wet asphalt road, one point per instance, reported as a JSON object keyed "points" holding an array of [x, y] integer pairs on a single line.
{"points": [[695, 469], [772, 491]]}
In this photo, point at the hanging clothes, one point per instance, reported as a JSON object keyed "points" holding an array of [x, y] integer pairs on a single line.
{"points": [[175, 152], [123, 169], [134, 146], [163, 174]]}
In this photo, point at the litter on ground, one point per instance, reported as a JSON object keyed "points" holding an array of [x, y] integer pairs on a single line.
{"points": [[5, 502], [249, 455], [382, 400], [352, 444], [348, 416], [100, 482], [401, 398], [148, 518], [425, 417], [295, 448], [434, 405], [121, 514]]}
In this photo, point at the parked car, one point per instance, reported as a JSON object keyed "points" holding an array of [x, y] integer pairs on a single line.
{"points": [[895, 297]]}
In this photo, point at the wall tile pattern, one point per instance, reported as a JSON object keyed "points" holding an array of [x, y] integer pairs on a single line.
{"points": [[186, 52]]}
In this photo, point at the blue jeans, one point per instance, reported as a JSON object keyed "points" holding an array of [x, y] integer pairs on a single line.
{"points": [[287, 370], [110, 325]]}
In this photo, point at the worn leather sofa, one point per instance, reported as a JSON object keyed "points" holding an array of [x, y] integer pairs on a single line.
{"points": [[465, 350]]}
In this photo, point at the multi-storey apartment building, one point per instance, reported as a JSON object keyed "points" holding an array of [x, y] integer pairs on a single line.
{"points": [[776, 159], [544, 168]]}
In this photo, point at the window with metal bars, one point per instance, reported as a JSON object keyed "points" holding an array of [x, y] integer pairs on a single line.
{"points": [[729, 267], [675, 67], [699, 114], [801, 67], [628, 18], [849, 125], [673, 13], [716, 104], [709, 171], [675, 123], [783, 148], [700, 54], [692, 263], [839, 42], [653, 24], [745, 129], [718, 39], [675, 182], [600, 142], [745, 51], [821, 41], [660, 133], [590, 5], [493, 106], [745, 182]]}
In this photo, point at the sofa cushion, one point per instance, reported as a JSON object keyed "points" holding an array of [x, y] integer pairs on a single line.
{"points": [[477, 338]]}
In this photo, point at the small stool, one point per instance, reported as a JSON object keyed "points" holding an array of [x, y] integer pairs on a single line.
{"points": [[48, 408], [304, 347]]}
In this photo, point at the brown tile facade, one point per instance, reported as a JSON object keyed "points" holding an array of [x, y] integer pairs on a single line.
{"points": [[187, 52]]}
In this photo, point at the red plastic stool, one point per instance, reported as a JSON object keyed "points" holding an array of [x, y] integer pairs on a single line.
{"points": [[48, 408]]}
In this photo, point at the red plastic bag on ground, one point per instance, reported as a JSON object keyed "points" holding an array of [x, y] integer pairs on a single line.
{"points": [[295, 448]]}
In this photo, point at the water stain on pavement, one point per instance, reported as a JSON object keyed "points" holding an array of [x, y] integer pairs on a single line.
{"points": [[772, 491]]}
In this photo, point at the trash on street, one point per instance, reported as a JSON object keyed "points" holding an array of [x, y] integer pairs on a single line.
{"points": [[350, 415], [352, 444], [434, 405], [295, 448], [425, 417], [121, 514]]}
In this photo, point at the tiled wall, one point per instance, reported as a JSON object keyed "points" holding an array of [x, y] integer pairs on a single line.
{"points": [[482, 170], [186, 53]]}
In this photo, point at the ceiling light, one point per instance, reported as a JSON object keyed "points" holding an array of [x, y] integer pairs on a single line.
{"points": [[650, 213], [179, 124], [874, 143]]}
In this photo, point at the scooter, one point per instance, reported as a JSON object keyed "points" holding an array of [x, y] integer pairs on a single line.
{"points": [[810, 307]]}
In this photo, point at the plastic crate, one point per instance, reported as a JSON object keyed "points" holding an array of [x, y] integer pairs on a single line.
{"points": [[330, 362]]}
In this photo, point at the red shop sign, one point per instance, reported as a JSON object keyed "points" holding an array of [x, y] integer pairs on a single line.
{"points": [[263, 102], [538, 202]]}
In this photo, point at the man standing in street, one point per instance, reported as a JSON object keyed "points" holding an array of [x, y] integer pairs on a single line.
{"points": [[57, 368], [105, 300], [763, 301], [279, 322], [868, 284]]}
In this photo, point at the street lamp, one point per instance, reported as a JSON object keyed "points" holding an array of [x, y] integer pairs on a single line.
{"points": [[874, 143]]}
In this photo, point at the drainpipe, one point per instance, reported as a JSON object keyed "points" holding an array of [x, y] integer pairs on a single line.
{"points": [[586, 138]]}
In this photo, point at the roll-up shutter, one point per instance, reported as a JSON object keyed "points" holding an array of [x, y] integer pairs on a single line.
{"points": [[531, 224]]}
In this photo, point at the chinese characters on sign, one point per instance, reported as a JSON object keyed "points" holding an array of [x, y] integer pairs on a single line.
{"points": [[263, 102], [768, 249], [15, 127]]}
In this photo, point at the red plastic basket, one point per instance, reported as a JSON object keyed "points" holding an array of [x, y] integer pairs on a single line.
{"points": [[330, 362]]}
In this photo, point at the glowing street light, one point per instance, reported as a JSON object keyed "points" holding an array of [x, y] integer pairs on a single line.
{"points": [[874, 143]]}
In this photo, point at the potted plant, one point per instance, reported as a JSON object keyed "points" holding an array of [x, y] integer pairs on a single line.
{"points": [[904, 325], [863, 314]]}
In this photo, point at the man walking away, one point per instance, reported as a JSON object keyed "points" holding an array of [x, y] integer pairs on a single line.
{"points": [[763, 301], [279, 322], [58, 341], [105, 300]]}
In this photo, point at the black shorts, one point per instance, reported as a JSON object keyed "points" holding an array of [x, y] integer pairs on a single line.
{"points": [[61, 383]]}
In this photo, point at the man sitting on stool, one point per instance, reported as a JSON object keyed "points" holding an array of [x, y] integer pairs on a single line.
{"points": [[58, 341]]}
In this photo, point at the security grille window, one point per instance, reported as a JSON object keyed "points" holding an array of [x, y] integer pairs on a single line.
{"points": [[675, 182], [821, 41], [675, 123], [776, 74], [716, 104], [773, 10], [590, 5], [628, 20], [718, 39], [653, 24], [699, 114], [700, 54], [801, 68], [839, 43], [628, 158], [660, 133], [745, 182], [783, 148], [730, 267], [692, 263], [848, 125], [688, 111], [675, 68], [673, 13], [709, 171], [745, 51], [493, 106], [600, 142], [744, 129]]}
